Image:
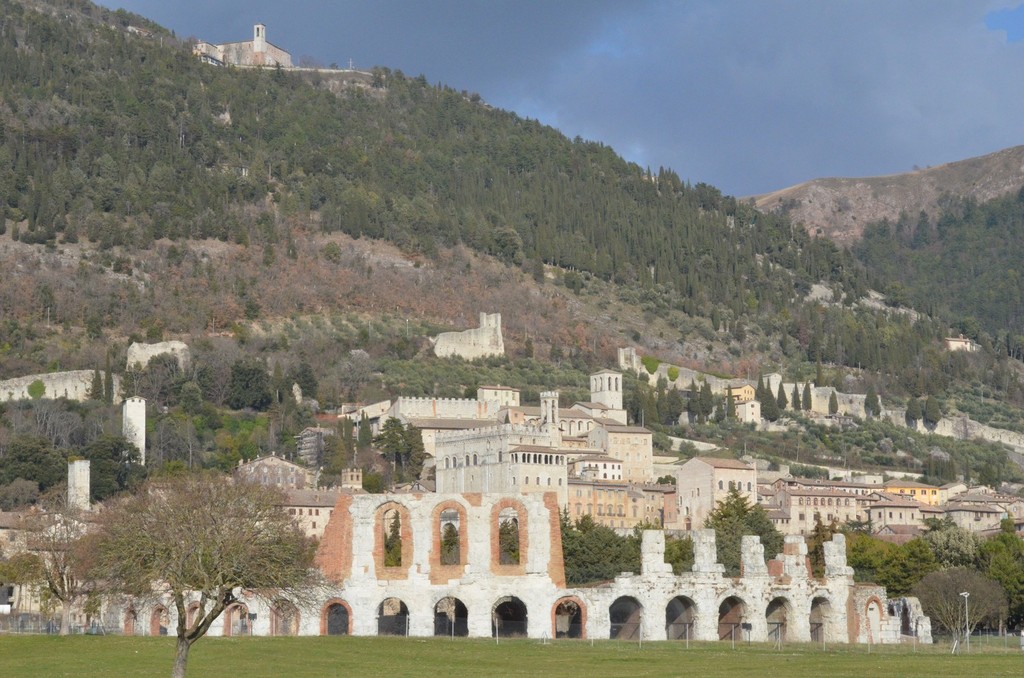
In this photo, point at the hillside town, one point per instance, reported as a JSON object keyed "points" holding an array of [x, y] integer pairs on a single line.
{"points": [[491, 461]]}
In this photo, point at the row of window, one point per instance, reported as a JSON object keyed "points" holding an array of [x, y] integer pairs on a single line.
{"points": [[737, 485], [526, 480], [825, 501]]}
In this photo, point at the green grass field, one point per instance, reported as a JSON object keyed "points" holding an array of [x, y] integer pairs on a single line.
{"points": [[90, 656]]}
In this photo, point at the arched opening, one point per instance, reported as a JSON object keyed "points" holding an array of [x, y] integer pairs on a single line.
{"points": [[159, 621], [508, 536], [508, 618], [776, 615], [236, 620], [131, 618], [284, 619], [392, 538], [569, 619], [821, 610], [336, 620], [450, 618], [679, 615], [874, 615], [624, 616], [730, 617], [392, 618], [450, 538]]}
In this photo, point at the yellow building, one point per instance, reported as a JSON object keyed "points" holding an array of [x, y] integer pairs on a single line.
{"points": [[926, 494], [742, 394]]}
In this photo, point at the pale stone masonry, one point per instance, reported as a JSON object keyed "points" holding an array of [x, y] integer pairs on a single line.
{"points": [[477, 593]]}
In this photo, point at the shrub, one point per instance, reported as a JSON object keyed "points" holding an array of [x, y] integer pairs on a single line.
{"points": [[650, 363]]}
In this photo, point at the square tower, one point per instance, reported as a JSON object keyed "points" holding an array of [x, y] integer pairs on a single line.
{"points": [[606, 389]]}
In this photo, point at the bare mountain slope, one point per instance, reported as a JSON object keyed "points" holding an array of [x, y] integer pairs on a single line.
{"points": [[840, 208]]}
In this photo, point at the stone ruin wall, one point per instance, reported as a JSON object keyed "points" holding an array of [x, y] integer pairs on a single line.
{"points": [[73, 385], [141, 354], [710, 605], [445, 408], [481, 342]]}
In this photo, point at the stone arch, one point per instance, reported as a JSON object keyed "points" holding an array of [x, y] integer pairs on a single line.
{"points": [[449, 541], [569, 618], [392, 618], [190, 614], [503, 561], [873, 612], [509, 618], [680, 616], [820, 616], [336, 618], [159, 621], [383, 523], [236, 620], [284, 618], [451, 618], [131, 620], [731, 613], [776, 615], [624, 618]]}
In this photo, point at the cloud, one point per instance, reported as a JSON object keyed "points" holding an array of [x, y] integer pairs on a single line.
{"points": [[747, 95]]}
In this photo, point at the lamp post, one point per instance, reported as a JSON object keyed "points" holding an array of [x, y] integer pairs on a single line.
{"points": [[967, 620]]}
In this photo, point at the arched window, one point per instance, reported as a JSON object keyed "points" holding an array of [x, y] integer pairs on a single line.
{"points": [[450, 537], [392, 538], [721, 485], [508, 536]]}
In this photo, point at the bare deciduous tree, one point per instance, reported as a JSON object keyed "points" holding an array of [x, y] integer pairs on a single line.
{"points": [[939, 593], [57, 535], [202, 539]]}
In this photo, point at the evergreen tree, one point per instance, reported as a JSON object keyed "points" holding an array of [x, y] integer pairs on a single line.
{"points": [[914, 412], [733, 517], [807, 396], [819, 374], [769, 404], [871, 403], [795, 398], [108, 382], [730, 412], [393, 542], [365, 437], [932, 411], [96, 389], [782, 401], [833, 403], [707, 401]]}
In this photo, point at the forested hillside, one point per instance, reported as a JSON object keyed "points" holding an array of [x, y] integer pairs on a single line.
{"points": [[966, 264], [119, 153], [122, 140]]}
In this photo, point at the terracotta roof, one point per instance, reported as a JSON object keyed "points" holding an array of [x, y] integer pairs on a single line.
{"points": [[312, 497], [908, 483], [715, 462]]}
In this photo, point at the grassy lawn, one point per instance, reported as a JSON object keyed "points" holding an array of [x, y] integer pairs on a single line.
{"points": [[87, 656]]}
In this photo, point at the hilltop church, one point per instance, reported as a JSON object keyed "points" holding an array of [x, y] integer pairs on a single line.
{"points": [[254, 53]]}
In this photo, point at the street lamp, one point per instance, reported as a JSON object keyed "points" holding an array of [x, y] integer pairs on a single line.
{"points": [[967, 620]]}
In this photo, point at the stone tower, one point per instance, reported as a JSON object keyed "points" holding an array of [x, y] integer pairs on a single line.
{"points": [[606, 389], [259, 39], [133, 424], [78, 485]]}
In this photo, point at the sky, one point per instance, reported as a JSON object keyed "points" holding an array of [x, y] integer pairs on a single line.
{"points": [[747, 95]]}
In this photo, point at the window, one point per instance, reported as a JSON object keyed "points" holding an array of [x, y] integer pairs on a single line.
{"points": [[450, 537], [721, 485], [508, 537]]}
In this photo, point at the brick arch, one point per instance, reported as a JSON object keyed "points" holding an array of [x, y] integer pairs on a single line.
{"points": [[236, 620], [379, 528], [872, 628], [159, 614], [131, 620], [285, 618], [326, 609], [583, 616], [440, 574], [524, 538]]}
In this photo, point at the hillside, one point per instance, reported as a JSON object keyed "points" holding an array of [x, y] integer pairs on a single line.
{"points": [[842, 208], [148, 195]]}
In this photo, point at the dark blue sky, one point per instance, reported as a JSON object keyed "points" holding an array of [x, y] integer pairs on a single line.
{"points": [[747, 95]]}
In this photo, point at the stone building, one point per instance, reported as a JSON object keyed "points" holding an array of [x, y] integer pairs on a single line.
{"points": [[491, 566], [256, 52], [480, 342], [703, 481], [620, 505], [274, 471]]}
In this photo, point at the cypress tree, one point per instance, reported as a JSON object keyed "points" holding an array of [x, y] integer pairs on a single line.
{"points": [[781, 400], [108, 383], [796, 398], [871, 404], [96, 390], [833, 403]]}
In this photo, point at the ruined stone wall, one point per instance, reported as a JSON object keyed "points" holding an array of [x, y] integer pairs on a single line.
{"points": [[73, 385], [141, 354], [777, 598], [481, 342], [444, 408]]}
